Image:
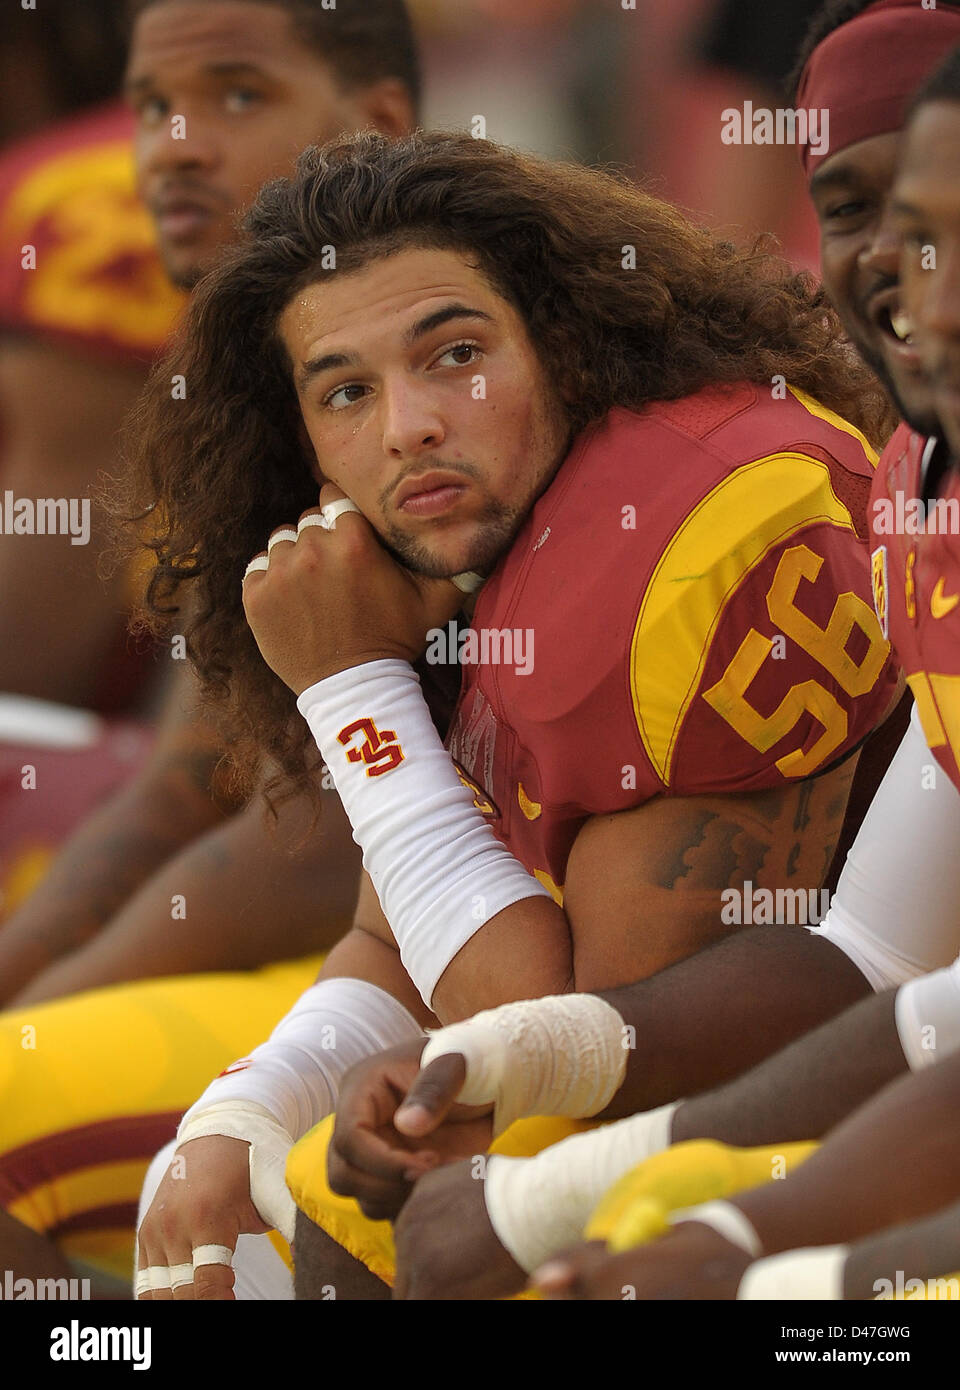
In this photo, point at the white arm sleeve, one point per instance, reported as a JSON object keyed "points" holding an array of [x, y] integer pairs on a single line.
{"points": [[538, 1205], [896, 911], [438, 869], [294, 1076], [928, 1016]]}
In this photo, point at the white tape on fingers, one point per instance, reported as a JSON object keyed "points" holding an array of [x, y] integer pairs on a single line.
{"points": [[333, 510], [212, 1255], [180, 1275], [286, 534], [152, 1279], [261, 562], [311, 519]]}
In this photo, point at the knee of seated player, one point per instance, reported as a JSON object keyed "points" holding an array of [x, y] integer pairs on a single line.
{"points": [[635, 1208]]}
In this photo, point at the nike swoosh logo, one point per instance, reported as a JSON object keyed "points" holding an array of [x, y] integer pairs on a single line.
{"points": [[940, 603], [531, 809]]}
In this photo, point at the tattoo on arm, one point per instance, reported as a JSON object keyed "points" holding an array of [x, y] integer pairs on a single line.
{"points": [[776, 836]]}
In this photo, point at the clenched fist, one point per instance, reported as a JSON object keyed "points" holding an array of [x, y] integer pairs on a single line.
{"points": [[332, 599]]}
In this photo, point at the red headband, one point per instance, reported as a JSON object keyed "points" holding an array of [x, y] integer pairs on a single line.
{"points": [[866, 72]]}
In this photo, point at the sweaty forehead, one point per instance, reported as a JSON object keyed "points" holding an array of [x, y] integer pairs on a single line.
{"points": [[387, 293], [174, 34]]}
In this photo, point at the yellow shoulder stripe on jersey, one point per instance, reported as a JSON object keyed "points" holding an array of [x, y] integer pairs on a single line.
{"points": [[823, 412], [726, 535]]}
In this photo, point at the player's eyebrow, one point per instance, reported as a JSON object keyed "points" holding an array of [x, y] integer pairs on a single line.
{"points": [[133, 85], [333, 361], [449, 314], [839, 176], [330, 362]]}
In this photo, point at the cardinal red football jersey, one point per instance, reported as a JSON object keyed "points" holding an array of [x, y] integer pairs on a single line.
{"points": [[694, 591], [915, 563], [79, 260]]}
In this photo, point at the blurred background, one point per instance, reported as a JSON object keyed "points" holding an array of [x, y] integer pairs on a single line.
{"points": [[639, 83]]}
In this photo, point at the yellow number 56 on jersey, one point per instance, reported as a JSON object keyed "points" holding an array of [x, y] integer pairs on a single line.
{"points": [[827, 646]]}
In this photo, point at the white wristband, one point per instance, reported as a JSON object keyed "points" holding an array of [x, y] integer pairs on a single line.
{"points": [[928, 1016], [561, 1055], [538, 1206], [438, 869], [727, 1220], [811, 1274], [295, 1075]]}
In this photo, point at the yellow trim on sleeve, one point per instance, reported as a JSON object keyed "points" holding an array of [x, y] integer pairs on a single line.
{"points": [[727, 534], [823, 412]]}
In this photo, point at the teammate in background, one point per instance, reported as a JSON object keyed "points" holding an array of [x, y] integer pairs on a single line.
{"points": [[177, 873], [385, 354], [84, 307], [893, 929]]}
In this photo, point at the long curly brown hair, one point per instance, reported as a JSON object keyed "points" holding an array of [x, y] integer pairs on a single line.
{"points": [[212, 473]]}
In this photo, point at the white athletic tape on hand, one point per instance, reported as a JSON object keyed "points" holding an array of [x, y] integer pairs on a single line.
{"points": [[311, 519], [180, 1276], [287, 533], [269, 1145], [813, 1274], [439, 871], [727, 1220], [212, 1255], [261, 562], [151, 1279], [561, 1055], [538, 1206], [333, 510], [469, 582]]}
